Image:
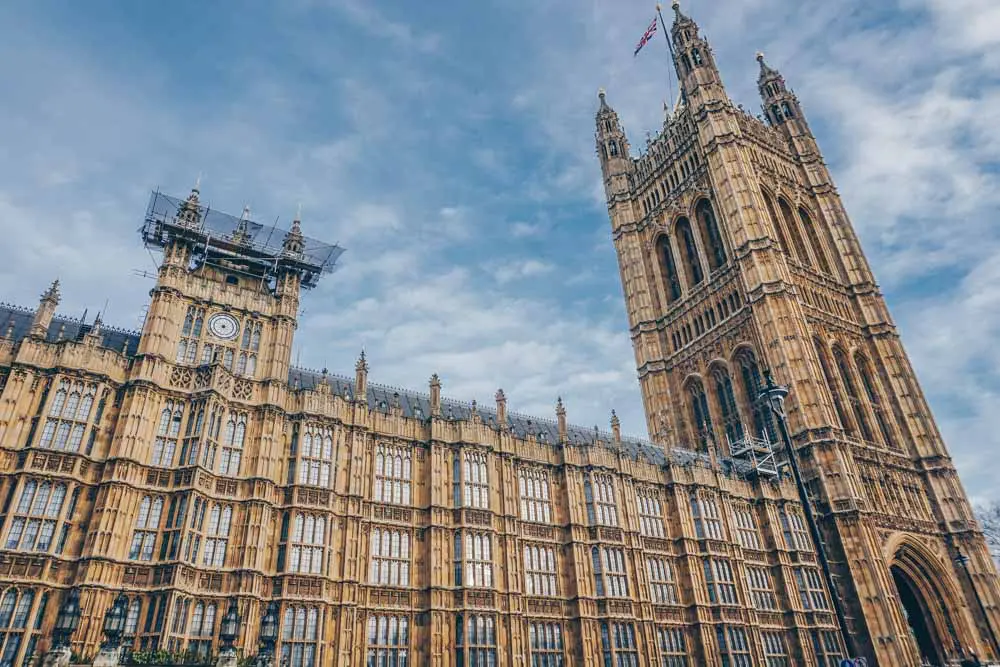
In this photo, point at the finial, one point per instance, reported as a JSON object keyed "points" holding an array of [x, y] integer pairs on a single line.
{"points": [[614, 418], [362, 364], [676, 6], [658, 7], [435, 380], [500, 396], [53, 291], [246, 212], [760, 56], [560, 408], [197, 184], [601, 92], [298, 212]]}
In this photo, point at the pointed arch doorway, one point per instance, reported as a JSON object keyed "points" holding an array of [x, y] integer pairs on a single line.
{"points": [[918, 616]]}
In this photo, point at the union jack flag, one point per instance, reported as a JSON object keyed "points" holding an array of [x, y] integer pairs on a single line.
{"points": [[650, 31]]}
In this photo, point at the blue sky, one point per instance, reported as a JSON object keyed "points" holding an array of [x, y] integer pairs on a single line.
{"points": [[449, 147]]}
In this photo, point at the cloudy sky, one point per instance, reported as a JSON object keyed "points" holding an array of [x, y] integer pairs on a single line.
{"points": [[449, 147]]}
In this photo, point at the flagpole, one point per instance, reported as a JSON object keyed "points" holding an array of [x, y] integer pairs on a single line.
{"points": [[670, 48]]}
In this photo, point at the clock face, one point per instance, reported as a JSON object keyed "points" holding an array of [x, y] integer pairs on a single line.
{"points": [[224, 326]]}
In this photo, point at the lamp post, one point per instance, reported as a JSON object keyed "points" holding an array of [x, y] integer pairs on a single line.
{"points": [[66, 624], [114, 628], [775, 396], [229, 630], [963, 560], [268, 635]]}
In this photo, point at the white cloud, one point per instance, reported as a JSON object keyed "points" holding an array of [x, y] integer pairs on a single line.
{"points": [[520, 269]]}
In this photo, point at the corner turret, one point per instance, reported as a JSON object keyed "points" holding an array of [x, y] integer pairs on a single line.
{"points": [[694, 61], [46, 311], [613, 150]]}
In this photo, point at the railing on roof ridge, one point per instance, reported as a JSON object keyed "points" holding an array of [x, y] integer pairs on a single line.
{"points": [[15, 307]]}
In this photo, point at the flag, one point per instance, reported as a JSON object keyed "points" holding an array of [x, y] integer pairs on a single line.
{"points": [[650, 31]]}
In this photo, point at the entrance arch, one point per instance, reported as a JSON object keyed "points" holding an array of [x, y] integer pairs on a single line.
{"points": [[918, 616]]}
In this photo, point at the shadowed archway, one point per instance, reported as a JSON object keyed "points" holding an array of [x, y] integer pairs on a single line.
{"points": [[918, 617]]}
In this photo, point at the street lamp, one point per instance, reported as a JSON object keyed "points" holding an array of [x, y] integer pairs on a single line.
{"points": [[269, 630], [114, 622], [775, 396], [229, 629], [68, 620], [963, 560]]}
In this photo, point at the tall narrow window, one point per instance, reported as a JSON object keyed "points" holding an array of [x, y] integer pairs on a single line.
{"points": [[700, 415], [599, 492], [540, 574], [619, 645], [761, 589], [146, 526], [775, 652], [167, 433], [719, 581], [827, 647], [545, 641], [249, 345], [307, 544], [661, 579], [388, 641], [690, 252], [477, 558], [533, 485], [299, 637], [710, 234], [814, 241], [794, 528], [707, 520], [669, 268], [734, 649], [477, 641], [390, 557], [778, 228], [610, 576], [33, 525], [392, 474], [232, 446], [763, 425], [811, 591], [18, 631], [69, 414], [650, 512], [831, 383], [727, 404], [202, 628], [316, 455], [852, 393], [672, 646], [475, 482], [874, 399], [793, 230], [187, 348], [220, 519], [747, 533]]}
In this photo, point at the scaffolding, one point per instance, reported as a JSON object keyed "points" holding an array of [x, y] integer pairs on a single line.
{"points": [[236, 243], [758, 452]]}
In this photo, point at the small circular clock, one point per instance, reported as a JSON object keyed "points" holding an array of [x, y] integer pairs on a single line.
{"points": [[224, 326]]}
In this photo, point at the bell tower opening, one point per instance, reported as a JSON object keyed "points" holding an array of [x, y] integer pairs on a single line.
{"points": [[918, 617]]}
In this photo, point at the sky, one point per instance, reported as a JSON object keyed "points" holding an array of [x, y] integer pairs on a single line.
{"points": [[448, 146]]}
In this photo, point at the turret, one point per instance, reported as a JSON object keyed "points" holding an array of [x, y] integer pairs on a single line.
{"points": [[46, 310], [613, 150], [694, 61], [361, 379], [781, 106]]}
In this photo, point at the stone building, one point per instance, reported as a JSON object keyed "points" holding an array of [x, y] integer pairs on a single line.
{"points": [[190, 464]]}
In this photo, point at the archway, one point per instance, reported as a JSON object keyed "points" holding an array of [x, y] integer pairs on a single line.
{"points": [[918, 617]]}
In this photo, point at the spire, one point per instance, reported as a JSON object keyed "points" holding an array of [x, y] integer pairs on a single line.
{"points": [[435, 385], [561, 419], [242, 233], [293, 242], [602, 96], [765, 70], [501, 409], [780, 104], [45, 311], [616, 427], [361, 378], [189, 212]]}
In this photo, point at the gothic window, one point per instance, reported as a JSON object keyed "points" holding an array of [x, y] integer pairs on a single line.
{"points": [[613, 148], [701, 418], [202, 628], [727, 405], [619, 645], [831, 382], [763, 425], [778, 228], [672, 646], [220, 519], [249, 345], [474, 557], [734, 649], [540, 570], [794, 529], [299, 637], [610, 578], [316, 455], [471, 481], [187, 348], [826, 646], [193, 548], [388, 641], [669, 269], [811, 591], [545, 641], [599, 492], [696, 56], [775, 651], [167, 433], [533, 485], [650, 512], [232, 445], [719, 581], [707, 521], [392, 474], [786, 110], [847, 377], [874, 399], [817, 246], [747, 533], [68, 416], [476, 641], [710, 234], [690, 252], [132, 621], [176, 513], [34, 519], [16, 628], [761, 589], [687, 63], [793, 230], [390, 557], [146, 526], [776, 113], [661, 580]]}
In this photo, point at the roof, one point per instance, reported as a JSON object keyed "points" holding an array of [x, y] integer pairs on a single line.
{"points": [[70, 328]]}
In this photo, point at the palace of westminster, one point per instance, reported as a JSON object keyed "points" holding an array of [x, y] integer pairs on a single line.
{"points": [[190, 468]]}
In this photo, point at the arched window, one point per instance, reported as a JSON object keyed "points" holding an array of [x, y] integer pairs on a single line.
{"points": [[702, 419], [814, 241], [687, 63], [299, 637], [710, 234], [690, 252], [669, 268], [763, 425], [613, 148], [776, 113], [696, 56], [787, 110], [831, 382], [793, 230], [16, 630], [852, 393], [874, 399], [778, 227], [727, 405]]}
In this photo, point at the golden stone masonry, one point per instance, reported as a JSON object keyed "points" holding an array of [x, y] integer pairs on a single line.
{"points": [[191, 467]]}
